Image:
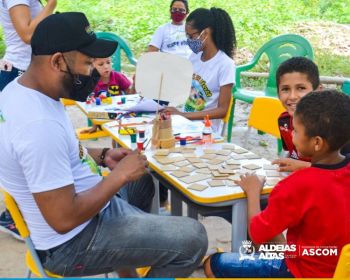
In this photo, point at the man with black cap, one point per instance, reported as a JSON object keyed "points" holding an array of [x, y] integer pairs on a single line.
{"points": [[78, 225]]}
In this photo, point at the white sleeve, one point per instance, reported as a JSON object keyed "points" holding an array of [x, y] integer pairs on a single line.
{"points": [[12, 3], [157, 38], [42, 150], [227, 73]]}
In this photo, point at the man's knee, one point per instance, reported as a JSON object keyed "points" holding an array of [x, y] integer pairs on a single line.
{"points": [[148, 184]]}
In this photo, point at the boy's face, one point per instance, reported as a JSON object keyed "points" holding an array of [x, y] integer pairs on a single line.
{"points": [[292, 87], [301, 141], [103, 66]]}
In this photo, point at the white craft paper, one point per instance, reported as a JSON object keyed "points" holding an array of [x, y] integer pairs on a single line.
{"points": [[176, 73]]}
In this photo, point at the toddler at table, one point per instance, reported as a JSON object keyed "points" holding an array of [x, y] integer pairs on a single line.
{"points": [[112, 82]]}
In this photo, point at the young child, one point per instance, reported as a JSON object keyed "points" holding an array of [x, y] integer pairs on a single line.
{"points": [[211, 37], [112, 82], [313, 203], [295, 77]]}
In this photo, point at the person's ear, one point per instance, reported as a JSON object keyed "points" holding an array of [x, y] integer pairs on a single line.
{"points": [[319, 143], [56, 61]]}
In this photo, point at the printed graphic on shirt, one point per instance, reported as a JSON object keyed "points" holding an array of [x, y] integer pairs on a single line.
{"points": [[2, 119], [199, 95], [176, 38], [87, 159], [113, 90]]}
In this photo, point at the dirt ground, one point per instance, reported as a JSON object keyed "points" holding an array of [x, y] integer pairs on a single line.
{"points": [[219, 231]]}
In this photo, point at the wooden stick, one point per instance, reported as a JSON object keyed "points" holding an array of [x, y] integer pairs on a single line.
{"points": [[160, 90]]}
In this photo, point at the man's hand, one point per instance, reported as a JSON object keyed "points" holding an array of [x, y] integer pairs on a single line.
{"points": [[131, 167], [290, 165], [250, 184], [114, 156]]}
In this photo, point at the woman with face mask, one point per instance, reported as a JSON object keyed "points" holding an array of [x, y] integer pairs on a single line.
{"points": [[171, 37], [211, 37], [18, 19]]}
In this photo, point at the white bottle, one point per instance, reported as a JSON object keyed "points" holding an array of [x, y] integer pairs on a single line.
{"points": [[207, 134]]}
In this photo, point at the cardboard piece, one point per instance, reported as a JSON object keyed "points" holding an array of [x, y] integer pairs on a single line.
{"points": [[197, 187]]}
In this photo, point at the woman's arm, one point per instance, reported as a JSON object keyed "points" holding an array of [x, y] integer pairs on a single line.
{"points": [[23, 22]]}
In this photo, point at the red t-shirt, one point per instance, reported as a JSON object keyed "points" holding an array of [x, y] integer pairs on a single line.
{"points": [[314, 205], [285, 125], [117, 83]]}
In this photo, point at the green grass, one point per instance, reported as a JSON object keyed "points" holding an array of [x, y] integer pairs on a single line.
{"points": [[255, 21]]}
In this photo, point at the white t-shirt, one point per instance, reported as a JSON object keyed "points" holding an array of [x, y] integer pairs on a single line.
{"points": [[17, 52], [40, 152], [170, 38], [207, 79]]}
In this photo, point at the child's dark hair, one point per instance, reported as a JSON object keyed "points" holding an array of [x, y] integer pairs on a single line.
{"points": [[326, 114], [183, 1], [302, 65], [221, 25]]}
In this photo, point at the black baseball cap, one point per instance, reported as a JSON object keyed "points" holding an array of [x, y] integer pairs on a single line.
{"points": [[66, 32]]}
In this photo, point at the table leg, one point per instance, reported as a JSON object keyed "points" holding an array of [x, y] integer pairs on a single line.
{"points": [[155, 202], [192, 212], [176, 204], [239, 224]]}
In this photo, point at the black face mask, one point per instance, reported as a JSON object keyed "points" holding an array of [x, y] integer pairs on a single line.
{"points": [[82, 85]]}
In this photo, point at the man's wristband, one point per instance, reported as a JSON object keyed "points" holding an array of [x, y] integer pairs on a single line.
{"points": [[103, 156]]}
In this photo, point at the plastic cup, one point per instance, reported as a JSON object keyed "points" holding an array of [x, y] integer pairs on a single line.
{"points": [[123, 100], [133, 137]]}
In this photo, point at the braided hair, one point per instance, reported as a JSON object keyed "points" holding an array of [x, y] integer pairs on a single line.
{"points": [[220, 22]]}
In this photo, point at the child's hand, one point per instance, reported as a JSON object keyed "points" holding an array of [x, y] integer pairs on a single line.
{"points": [[290, 165], [250, 184], [172, 111]]}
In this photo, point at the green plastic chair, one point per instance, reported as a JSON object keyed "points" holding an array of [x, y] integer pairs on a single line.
{"points": [[122, 45], [346, 87], [277, 50]]}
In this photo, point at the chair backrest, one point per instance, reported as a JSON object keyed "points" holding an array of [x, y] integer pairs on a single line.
{"points": [[122, 45], [17, 217], [342, 270], [278, 50], [346, 87], [264, 115]]}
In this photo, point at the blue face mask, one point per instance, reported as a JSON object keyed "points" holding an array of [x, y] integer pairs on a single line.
{"points": [[196, 45]]}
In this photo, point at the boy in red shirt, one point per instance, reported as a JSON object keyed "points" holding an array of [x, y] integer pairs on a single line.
{"points": [[313, 203], [295, 78]]}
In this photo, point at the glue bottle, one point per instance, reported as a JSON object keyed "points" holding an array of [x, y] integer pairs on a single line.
{"points": [[207, 137]]}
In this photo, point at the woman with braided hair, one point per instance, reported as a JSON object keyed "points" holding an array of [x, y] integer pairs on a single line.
{"points": [[211, 37]]}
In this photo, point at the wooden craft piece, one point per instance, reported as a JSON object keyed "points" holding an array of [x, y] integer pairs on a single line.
{"points": [[195, 160], [200, 165], [240, 151], [218, 174], [195, 178], [216, 183], [251, 166], [197, 187], [209, 151], [179, 174], [203, 171], [208, 156], [168, 168], [190, 155], [226, 171], [223, 158], [165, 160], [252, 156], [181, 163], [175, 150], [187, 169], [232, 167], [214, 167], [233, 162], [238, 157], [228, 147], [223, 152], [180, 158], [235, 177], [215, 161], [163, 152]]}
